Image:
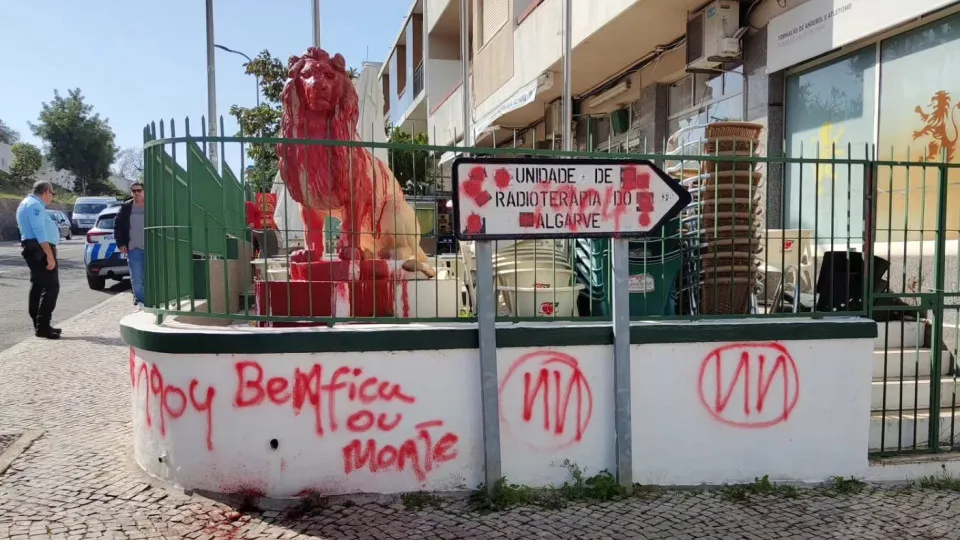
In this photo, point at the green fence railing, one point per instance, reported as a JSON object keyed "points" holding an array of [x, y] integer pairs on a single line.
{"points": [[866, 237]]}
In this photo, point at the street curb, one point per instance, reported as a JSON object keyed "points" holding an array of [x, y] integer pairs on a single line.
{"points": [[19, 446]]}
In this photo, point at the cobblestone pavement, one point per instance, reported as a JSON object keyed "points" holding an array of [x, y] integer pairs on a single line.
{"points": [[76, 481]]}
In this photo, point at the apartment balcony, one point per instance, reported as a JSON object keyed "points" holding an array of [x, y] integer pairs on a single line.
{"points": [[442, 16], [445, 122], [418, 80], [609, 38]]}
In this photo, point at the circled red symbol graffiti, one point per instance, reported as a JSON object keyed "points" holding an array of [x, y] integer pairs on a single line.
{"points": [[546, 401], [749, 385]]}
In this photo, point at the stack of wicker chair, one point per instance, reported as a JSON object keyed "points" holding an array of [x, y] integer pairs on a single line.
{"points": [[730, 235]]}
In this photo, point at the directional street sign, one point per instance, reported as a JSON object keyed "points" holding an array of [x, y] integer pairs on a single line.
{"points": [[502, 198]]}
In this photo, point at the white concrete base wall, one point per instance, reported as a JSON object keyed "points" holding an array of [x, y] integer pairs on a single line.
{"points": [[796, 411], [426, 428], [388, 422]]}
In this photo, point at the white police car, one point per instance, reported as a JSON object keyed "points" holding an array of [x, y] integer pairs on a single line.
{"points": [[100, 256]]}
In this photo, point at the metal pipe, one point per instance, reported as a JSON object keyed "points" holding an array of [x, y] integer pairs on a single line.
{"points": [[465, 70], [316, 23], [567, 104], [211, 86], [485, 294]]}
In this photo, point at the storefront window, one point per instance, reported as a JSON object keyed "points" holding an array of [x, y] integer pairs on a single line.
{"points": [[830, 115], [700, 99], [919, 96]]}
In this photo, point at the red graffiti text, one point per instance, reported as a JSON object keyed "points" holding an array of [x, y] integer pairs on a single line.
{"points": [[749, 385], [310, 389], [419, 454], [556, 400], [171, 401]]}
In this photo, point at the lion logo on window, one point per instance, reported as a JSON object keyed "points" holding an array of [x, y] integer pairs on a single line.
{"points": [[938, 124]]}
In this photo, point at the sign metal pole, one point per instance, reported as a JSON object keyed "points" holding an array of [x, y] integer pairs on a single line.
{"points": [[316, 23], [485, 294]]}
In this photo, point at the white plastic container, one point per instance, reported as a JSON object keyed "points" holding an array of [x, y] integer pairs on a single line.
{"points": [[261, 266], [535, 277], [429, 298], [278, 274], [547, 265], [547, 302]]}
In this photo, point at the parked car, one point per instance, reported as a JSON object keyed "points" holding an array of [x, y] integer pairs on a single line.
{"points": [[86, 210], [100, 256], [63, 223]]}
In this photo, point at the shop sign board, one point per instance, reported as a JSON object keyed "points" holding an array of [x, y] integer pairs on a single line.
{"points": [[503, 198]]}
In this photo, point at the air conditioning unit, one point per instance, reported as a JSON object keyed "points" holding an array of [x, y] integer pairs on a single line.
{"points": [[553, 119], [713, 35]]}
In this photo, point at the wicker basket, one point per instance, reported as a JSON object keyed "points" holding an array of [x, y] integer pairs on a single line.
{"points": [[714, 223], [714, 166], [725, 166], [741, 177], [712, 207], [729, 267], [731, 144], [728, 191], [727, 245], [729, 296], [747, 130]]}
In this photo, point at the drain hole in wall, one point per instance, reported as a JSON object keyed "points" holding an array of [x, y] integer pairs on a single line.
{"points": [[160, 459], [274, 443]]}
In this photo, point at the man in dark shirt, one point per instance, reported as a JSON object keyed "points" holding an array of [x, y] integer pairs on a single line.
{"points": [[129, 233]]}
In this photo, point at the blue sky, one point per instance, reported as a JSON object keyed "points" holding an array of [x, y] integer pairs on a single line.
{"points": [[138, 61]]}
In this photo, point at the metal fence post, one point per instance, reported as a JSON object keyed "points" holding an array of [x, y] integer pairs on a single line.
{"points": [[936, 338]]}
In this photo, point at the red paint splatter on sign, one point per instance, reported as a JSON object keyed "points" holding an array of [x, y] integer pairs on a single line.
{"points": [[474, 224], [502, 178]]}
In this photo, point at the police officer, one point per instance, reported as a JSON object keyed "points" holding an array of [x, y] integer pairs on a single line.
{"points": [[39, 236]]}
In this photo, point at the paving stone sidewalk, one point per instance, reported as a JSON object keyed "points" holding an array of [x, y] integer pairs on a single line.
{"points": [[77, 481]]}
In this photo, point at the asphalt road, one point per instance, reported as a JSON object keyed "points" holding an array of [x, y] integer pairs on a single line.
{"points": [[75, 294]]}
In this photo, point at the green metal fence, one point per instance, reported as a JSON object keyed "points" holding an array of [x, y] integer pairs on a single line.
{"points": [[807, 238]]}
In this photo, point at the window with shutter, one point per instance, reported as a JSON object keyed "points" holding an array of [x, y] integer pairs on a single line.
{"points": [[493, 15]]}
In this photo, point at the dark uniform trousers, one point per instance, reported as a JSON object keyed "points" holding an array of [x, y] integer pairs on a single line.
{"points": [[44, 284]]}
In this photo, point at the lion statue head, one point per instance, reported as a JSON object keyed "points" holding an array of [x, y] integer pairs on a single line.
{"points": [[321, 84], [319, 103]]}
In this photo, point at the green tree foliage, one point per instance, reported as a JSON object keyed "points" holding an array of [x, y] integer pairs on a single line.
{"points": [[264, 121], [80, 141], [414, 169], [27, 160], [7, 134], [129, 164]]}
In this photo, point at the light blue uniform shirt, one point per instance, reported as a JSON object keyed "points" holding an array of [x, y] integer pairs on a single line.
{"points": [[53, 231], [34, 223]]}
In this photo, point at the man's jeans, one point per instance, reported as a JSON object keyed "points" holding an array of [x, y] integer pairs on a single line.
{"points": [[135, 258]]}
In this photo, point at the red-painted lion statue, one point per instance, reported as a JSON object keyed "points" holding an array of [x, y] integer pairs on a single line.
{"points": [[345, 182]]}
